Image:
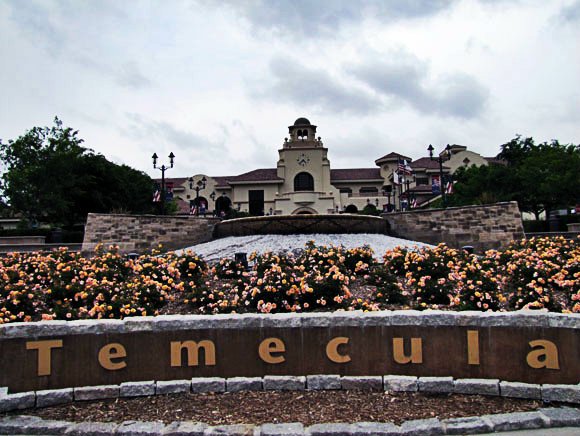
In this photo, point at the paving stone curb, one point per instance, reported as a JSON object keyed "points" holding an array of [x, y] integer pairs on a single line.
{"points": [[400, 383], [237, 384], [323, 382], [520, 390], [370, 383], [395, 383], [473, 386], [96, 392], [237, 321], [436, 385], [54, 397], [542, 418], [209, 384], [137, 389], [284, 383]]}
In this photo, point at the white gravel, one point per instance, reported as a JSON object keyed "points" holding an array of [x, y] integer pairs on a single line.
{"points": [[226, 247]]}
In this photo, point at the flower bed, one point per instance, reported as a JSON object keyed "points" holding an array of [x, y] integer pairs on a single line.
{"points": [[539, 273]]}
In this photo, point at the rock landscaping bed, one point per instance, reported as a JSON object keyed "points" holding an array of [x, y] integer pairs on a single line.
{"points": [[307, 407]]}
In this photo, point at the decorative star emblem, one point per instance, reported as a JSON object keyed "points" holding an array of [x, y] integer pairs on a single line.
{"points": [[303, 159]]}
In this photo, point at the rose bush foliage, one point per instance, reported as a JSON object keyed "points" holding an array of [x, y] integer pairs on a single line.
{"points": [[541, 273]]}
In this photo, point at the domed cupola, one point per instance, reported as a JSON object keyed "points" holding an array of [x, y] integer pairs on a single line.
{"points": [[302, 131]]}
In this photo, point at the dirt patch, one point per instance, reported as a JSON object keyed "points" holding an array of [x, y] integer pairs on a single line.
{"points": [[308, 407]]}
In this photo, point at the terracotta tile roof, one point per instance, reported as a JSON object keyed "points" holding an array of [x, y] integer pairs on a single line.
{"points": [[392, 156], [222, 181], [355, 174], [427, 163], [260, 175], [177, 181]]}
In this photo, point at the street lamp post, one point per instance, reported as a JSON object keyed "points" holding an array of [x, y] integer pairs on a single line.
{"points": [[163, 168], [387, 193], [447, 153], [199, 186]]}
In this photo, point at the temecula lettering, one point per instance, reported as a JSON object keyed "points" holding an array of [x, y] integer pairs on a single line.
{"points": [[543, 354]]}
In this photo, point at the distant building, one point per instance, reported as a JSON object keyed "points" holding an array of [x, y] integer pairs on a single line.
{"points": [[304, 183]]}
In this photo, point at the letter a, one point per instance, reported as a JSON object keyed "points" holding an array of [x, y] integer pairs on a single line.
{"points": [[548, 349]]}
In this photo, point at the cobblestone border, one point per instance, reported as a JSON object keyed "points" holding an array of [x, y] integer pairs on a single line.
{"points": [[543, 418], [387, 318]]}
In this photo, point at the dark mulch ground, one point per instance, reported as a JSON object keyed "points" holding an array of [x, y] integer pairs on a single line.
{"points": [[309, 407]]}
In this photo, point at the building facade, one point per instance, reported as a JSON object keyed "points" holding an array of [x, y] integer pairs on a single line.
{"points": [[303, 181]]}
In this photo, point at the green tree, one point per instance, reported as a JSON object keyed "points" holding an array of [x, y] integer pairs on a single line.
{"points": [[549, 177], [540, 177], [49, 176]]}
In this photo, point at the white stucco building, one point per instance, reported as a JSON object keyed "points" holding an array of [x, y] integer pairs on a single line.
{"points": [[304, 182]]}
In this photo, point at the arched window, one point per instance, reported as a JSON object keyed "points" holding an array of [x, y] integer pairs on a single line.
{"points": [[303, 182]]}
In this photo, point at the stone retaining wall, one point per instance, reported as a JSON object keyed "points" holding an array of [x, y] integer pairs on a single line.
{"points": [[527, 347], [483, 227], [300, 224], [139, 233]]}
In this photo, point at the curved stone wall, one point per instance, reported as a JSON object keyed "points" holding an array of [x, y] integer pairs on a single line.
{"points": [[141, 233], [296, 224], [529, 347], [484, 227]]}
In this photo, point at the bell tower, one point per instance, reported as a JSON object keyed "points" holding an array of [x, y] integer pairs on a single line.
{"points": [[303, 165], [302, 134]]}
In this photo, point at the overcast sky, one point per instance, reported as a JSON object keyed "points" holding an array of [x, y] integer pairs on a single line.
{"points": [[219, 82]]}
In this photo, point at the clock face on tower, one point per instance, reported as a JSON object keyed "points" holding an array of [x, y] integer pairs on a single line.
{"points": [[303, 159]]}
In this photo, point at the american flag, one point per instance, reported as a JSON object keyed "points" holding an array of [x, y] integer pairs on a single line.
{"points": [[192, 209], [404, 167], [157, 196], [413, 203], [449, 187], [396, 178]]}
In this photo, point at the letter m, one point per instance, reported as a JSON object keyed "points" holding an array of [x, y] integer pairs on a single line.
{"points": [[192, 350]]}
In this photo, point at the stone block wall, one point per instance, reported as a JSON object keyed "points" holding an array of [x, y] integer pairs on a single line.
{"points": [[139, 233], [301, 224], [483, 227]]}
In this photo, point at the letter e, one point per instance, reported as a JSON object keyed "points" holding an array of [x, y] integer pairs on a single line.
{"points": [[110, 352], [269, 346]]}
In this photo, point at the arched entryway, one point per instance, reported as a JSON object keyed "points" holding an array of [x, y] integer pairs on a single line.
{"points": [[304, 211], [223, 205], [351, 208]]}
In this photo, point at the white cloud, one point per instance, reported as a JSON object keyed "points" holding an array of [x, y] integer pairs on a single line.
{"points": [[219, 84]]}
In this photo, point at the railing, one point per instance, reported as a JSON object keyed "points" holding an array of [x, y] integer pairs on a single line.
{"points": [[365, 195]]}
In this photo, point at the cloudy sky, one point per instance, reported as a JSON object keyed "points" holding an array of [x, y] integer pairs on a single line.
{"points": [[218, 82]]}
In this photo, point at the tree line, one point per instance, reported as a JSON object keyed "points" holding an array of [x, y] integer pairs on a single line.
{"points": [[49, 176], [540, 177]]}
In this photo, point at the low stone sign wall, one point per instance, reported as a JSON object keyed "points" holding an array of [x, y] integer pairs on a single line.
{"points": [[541, 348], [138, 233], [483, 227], [301, 224]]}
